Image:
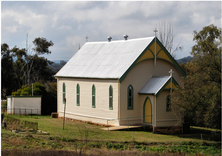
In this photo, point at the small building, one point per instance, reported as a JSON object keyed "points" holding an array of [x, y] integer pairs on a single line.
{"points": [[24, 105], [124, 82]]}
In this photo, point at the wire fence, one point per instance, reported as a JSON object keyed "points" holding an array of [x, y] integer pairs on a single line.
{"points": [[20, 111], [11, 123]]}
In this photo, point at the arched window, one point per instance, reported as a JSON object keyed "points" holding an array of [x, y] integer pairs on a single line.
{"points": [[168, 103], [110, 97], [64, 93], [77, 95], [130, 97], [93, 96]]}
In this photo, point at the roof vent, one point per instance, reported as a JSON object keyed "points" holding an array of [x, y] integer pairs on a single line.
{"points": [[109, 38], [125, 36]]}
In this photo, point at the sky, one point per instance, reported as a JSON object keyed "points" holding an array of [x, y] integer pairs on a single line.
{"points": [[67, 24]]}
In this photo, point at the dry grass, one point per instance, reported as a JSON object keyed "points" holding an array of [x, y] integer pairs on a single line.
{"points": [[86, 139], [94, 152], [15, 141]]}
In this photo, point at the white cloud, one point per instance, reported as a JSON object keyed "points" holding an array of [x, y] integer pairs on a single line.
{"points": [[67, 23]]}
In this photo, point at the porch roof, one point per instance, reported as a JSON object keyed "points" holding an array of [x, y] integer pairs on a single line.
{"points": [[154, 85]]}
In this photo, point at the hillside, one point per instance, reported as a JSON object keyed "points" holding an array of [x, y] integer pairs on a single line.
{"points": [[184, 60]]}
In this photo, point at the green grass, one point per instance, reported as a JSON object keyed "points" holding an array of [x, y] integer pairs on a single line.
{"points": [[74, 132], [72, 129]]}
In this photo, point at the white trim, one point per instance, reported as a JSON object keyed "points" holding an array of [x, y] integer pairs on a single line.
{"points": [[85, 115]]}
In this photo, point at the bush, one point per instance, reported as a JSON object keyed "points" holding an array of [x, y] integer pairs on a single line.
{"points": [[49, 97]]}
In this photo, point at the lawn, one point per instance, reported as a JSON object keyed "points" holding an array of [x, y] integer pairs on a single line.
{"points": [[75, 133]]}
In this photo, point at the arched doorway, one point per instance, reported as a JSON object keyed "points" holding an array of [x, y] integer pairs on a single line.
{"points": [[147, 111]]}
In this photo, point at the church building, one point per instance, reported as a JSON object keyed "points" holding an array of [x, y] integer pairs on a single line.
{"points": [[123, 82]]}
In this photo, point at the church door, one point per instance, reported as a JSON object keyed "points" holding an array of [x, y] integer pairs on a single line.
{"points": [[147, 111]]}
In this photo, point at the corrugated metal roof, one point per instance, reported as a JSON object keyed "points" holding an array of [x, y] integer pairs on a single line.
{"points": [[154, 85], [104, 59]]}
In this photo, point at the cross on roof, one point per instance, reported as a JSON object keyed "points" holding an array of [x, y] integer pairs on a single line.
{"points": [[155, 31], [171, 72]]}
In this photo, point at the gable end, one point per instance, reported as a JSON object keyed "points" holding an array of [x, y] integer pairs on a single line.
{"points": [[149, 53]]}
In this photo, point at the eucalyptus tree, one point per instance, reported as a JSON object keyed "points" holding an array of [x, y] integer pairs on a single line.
{"points": [[41, 46], [199, 96], [7, 71], [24, 66]]}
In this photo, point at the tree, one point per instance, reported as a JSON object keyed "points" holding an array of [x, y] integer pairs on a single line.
{"points": [[7, 71], [167, 36], [198, 98], [49, 98], [18, 64], [26, 67], [207, 52], [41, 47], [41, 70]]}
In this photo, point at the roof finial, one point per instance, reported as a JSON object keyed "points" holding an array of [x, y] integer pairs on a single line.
{"points": [[125, 36], [109, 38], [86, 38], [155, 31]]}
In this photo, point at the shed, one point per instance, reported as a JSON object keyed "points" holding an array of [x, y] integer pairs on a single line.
{"points": [[24, 105]]}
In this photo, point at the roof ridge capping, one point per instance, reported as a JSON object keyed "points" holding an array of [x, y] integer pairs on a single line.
{"points": [[160, 76], [123, 40]]}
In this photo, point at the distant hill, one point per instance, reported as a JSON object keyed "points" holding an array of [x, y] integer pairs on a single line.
{"points": [[57, 65], [184, 60]]}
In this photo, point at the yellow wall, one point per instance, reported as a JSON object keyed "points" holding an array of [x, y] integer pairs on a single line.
{"points": [[168, 86], [165, 118], [138, 77], [85, 112], [149, 54]]}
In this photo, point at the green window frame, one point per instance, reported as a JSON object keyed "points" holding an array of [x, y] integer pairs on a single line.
{"points": [[77, 95], [110, 97], [130, 93], [64, 93], [93, 96], [168, 103]]}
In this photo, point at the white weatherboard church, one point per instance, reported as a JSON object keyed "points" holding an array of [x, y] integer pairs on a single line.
{"points": [[123, 82]]}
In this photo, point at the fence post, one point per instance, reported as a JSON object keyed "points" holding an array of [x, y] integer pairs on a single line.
{"points": [[14, 111], [37, 113], [25, 111], [31, 112]]}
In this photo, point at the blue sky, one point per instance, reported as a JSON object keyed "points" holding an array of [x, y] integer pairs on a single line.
{"points": [[67, 23]]}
